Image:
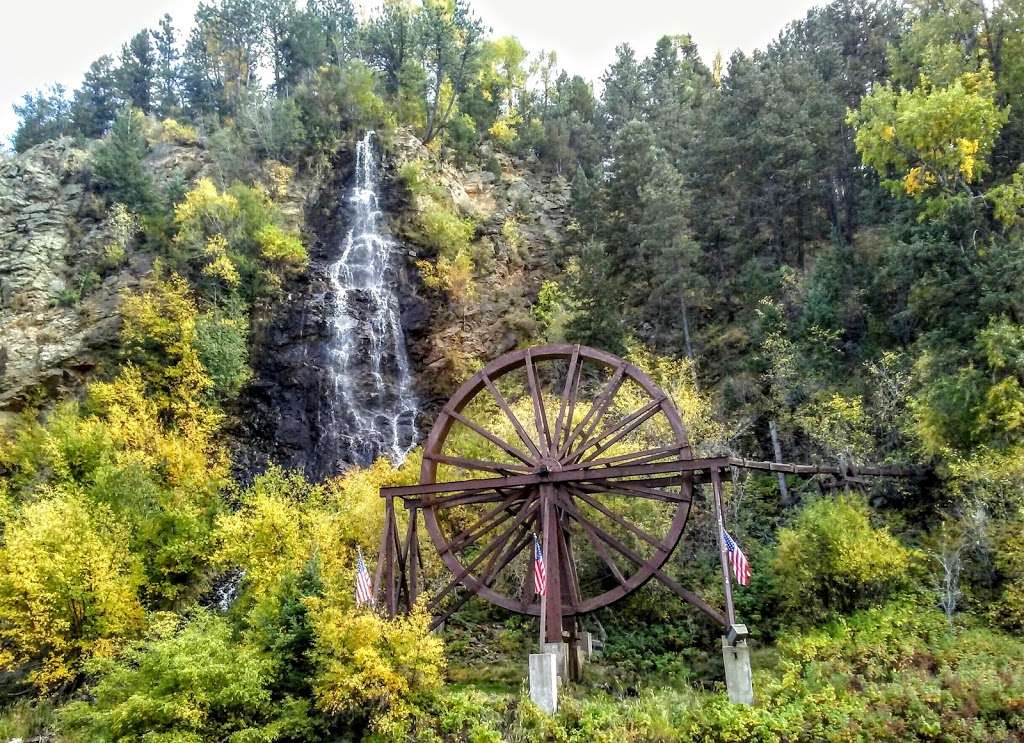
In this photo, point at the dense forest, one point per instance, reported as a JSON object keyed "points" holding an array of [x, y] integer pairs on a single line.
{"points": [[817, 249]]}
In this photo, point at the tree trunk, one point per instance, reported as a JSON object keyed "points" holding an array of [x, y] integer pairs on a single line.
{"points": [[787, 500]]}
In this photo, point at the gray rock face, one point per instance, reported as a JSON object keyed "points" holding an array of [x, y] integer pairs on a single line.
{"points": [[56, 319]]}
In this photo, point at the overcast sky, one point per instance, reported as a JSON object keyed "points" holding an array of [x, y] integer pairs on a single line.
{"points": [[44, 41]]}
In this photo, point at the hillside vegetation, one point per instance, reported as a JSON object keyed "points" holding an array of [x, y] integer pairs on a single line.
{"points": [[824, 238]]}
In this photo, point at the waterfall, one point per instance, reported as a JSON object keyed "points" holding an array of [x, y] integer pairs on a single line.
{"points": [[372, 408]]}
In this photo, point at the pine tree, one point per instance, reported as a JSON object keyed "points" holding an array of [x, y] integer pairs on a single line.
{"points": [[117, 164], [97, 101], [167, 83], [42, 115], [138, 71]]}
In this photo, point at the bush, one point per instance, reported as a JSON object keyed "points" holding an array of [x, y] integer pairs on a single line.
{"points": [[222, 345], [68, 587], [373, 670], [280, 247], [443, 230], [173, 132], [192, 684], [833, 560]]}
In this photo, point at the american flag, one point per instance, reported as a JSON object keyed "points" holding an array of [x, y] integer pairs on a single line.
{"points": [[364, 589], [540, 578], [740, 566]]}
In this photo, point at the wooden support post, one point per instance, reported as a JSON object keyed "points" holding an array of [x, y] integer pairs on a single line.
{"points": [[552, 567], [391, 534], [413, 561], [716, 486], [382, 556]]}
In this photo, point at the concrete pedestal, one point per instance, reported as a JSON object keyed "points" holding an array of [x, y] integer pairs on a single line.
{"points": [[544, 681], [561, 651], [587, 645], [739, 680]]}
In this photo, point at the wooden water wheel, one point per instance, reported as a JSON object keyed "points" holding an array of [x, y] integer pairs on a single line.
{"points": [[573, 445]]}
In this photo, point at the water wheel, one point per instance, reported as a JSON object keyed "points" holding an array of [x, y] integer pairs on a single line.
{"points": [[523, 448]]}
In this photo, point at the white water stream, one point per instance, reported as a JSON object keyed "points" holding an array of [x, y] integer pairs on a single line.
{"points": [[374, 409]]}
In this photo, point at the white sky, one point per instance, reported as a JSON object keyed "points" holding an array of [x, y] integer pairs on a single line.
{"points": [[45, 41]]}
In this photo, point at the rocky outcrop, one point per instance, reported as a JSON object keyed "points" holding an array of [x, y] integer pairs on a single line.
{"points": [[58, 297], [523, 217], [49, 233]]}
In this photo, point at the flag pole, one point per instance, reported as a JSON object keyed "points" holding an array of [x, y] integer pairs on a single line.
{"points": [[716, 487], [543, 602]]}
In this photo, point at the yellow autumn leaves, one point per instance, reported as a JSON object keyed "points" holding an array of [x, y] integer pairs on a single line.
{"points": [[930, 142]]}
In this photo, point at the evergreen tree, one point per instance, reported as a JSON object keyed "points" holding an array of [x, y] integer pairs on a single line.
{"points": [[137, 73], [42, 115], [167, 83], [624, 91], [117, 167], [97, 101]]}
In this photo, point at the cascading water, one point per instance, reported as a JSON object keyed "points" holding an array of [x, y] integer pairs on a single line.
{"points": [[372, 407]]}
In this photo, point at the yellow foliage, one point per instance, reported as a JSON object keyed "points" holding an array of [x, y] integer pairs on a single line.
{"points": [[204, 209], [838, 424], [833, 559], [281, 247], [68, 588], [220, 265], [279, 178], [270, 534], [968, 149], [174, 132], [159, 335], [930, 142], [677, 379], [503, 130], [186, 454], [370, 667], [285, 522]]}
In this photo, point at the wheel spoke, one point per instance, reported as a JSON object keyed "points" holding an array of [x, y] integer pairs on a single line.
{"points": [[499, 442], [527, 509], [632, 491], [539, 413], [602, 551], [479, 465], [503, 404], [621, 429], [597, 410], [473, 532], [636, 457], [571, 382], [466, 499], [568, 562], [486, 581], [608, 538], [632, 528]]}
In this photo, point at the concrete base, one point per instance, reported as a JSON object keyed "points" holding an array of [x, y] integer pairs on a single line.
{"points": [[561, 651], [544, 681], [587, 645], [739, 681]]}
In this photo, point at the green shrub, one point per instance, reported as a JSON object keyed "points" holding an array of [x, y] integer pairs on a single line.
{"points": [[192, 684], [833, 560], [444, 231], [223, 349]]}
